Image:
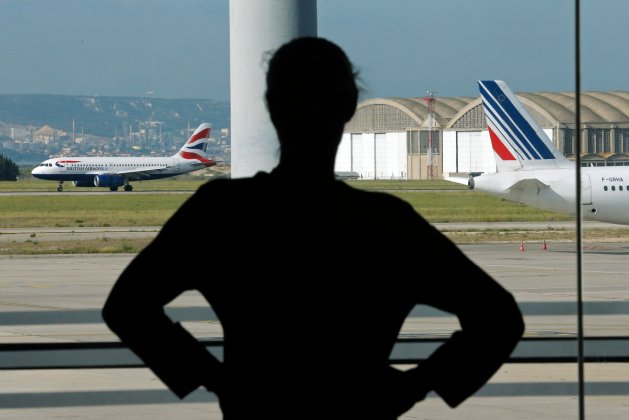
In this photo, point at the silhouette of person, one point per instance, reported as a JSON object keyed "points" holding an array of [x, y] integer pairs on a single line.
{"points": [[310, 278]]}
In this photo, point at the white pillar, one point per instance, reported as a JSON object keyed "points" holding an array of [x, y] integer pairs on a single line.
{"points": [[255, 28]]}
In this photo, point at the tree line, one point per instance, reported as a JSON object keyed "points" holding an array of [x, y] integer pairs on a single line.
{"points": [[9, 170]]}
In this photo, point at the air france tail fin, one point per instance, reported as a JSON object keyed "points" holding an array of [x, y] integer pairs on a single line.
{"points": [[519, 143], [195, 147]]}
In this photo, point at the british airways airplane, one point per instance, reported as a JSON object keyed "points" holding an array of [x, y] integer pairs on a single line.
{"points": [[531, 170], [113, 172]]}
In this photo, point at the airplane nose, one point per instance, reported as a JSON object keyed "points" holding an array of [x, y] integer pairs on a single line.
{"points": [[38, 170]]}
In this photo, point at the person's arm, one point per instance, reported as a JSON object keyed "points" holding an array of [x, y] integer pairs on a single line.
{"points": [[491, 326], [134, 311]]}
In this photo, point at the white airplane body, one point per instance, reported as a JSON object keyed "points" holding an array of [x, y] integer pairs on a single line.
{"points": [[115, 171], [532, 171]]}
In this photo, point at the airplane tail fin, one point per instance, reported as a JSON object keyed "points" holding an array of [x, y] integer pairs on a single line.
{"points": [[519, 143], [195, 147]]}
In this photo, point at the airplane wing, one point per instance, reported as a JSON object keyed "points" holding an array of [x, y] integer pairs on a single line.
{"points": [[134, 174], [142, 174], [529, 186]]}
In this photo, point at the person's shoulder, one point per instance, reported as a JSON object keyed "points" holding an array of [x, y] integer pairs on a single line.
{"points": [[228, 184], [383, 205], [382, 198]]}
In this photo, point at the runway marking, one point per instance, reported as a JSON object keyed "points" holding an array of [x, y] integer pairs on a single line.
{"points": [[528, 267], [26, 305]]}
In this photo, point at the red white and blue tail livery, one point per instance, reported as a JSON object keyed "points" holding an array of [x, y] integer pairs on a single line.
{"points": [[516, 138], [115, 171], [532, 171]]}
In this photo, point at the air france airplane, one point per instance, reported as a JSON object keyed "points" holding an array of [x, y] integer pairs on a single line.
{"points": [[113, 172], [531, 170]]}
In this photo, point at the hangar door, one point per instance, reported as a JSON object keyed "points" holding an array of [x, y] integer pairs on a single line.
{"points": [[467, 151], [373, 155]]}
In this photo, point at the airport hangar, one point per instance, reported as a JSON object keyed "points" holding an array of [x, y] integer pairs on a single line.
{"points": [[388, 138]]}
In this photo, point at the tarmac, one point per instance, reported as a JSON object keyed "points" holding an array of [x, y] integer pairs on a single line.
{"points": [[57, 299]]}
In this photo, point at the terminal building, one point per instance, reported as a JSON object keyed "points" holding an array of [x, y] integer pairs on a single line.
{"points": [[435, 137]]}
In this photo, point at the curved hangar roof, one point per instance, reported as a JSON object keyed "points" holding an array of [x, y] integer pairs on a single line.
{"points": [[548, 108], [397, 114]]}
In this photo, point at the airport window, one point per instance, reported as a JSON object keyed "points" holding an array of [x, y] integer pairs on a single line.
{"points": [[557, 293], [568, 140], [591, 143], [412, 141], [432, 137], [621, 140], [598, 140]]}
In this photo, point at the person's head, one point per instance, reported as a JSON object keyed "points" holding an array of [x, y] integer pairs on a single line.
{"points": [[310, 87]]}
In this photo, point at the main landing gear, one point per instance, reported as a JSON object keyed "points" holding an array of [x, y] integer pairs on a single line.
{"points": [[127, 187]]}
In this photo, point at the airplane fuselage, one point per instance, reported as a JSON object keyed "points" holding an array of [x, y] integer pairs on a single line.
{"points": [[85, 168], [604, 190]]}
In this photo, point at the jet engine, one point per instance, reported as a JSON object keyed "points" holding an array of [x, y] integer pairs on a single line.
{"points": [[108, 181]]}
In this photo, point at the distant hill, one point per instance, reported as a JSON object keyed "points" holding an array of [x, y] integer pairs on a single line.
{"points": [[106, 116]]}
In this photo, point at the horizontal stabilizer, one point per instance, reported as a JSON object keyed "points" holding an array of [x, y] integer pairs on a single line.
{"points": [[464, 180]]}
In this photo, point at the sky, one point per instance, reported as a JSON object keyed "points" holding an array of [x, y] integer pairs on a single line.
{"points": [[405, 48]]}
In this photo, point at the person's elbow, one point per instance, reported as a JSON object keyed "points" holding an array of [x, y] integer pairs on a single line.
{"points": [[110, 315], [116, 313], [510, 319], [498, 318]]}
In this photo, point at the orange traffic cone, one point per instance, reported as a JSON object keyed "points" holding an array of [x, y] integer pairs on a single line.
{"points": [[521, 246], [544, 247]]}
